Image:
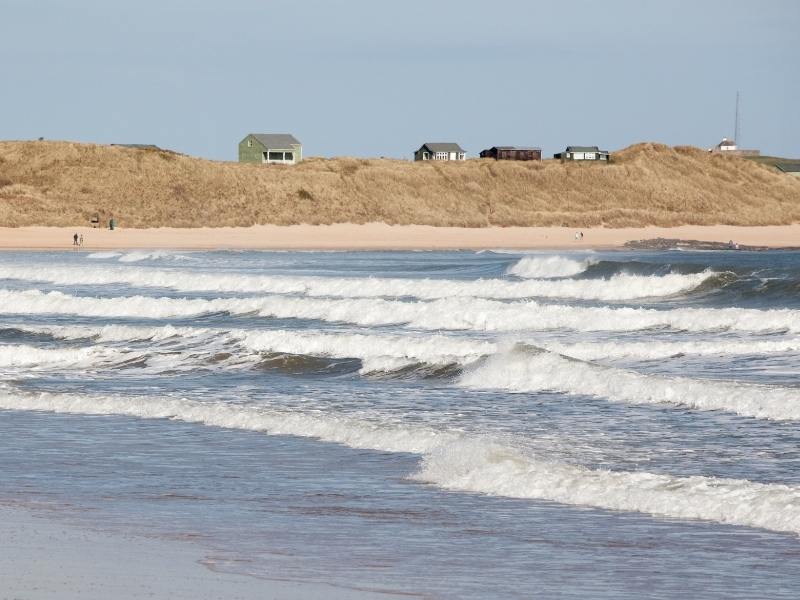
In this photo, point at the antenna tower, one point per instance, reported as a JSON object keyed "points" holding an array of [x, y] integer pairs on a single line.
{"points": [[737, 124]]}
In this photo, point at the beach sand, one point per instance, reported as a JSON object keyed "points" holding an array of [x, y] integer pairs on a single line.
{"points": [[43, 559], [378, 236]]}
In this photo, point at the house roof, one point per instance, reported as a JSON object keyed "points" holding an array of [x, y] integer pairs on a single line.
{"points": [[584, 149], [514, 148], [726, 142], [276, 140], [788, 167], [442, 147]]}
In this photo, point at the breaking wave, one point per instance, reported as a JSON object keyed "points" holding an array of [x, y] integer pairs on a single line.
{"points": [[653, 349], [31, 357], [377, 353], [523, 370], [618, 287], [454, 314], [459, 461], [137, 256], [545, 267]]}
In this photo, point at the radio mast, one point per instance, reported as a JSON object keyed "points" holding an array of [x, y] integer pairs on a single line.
{"points": [[736, 124]]}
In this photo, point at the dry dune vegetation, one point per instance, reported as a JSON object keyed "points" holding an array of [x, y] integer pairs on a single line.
{"points": [[65, 184]]}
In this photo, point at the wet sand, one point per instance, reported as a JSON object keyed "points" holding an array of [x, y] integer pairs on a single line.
{"points": [[42, 558]]}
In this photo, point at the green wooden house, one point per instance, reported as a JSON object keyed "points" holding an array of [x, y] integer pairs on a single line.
{"points": [[277, 148]]}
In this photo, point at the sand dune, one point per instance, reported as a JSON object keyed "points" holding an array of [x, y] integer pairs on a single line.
{"points": [[65, 184]]}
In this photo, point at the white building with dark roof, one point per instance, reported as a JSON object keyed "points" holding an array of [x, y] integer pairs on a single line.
{"points": [[440, 151]]}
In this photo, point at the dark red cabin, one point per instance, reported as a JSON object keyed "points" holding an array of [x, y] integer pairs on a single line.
{"points": [[512, 153]]}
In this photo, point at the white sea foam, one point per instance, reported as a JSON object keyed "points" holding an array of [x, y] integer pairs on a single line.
{"points": [[500, 471], [543, 267], [31, 357], [137, 256], [457, 461], [376, 352], [652, 350], [525, 371], [616, 288], [454, 314]]}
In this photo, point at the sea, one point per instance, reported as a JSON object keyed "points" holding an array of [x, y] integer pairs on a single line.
{"points": [[446, 425]]}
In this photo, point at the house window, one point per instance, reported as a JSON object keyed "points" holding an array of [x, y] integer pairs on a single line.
{"points": [[426, 156], [441, 156], [275, 156], [460, 156], [288, 156], [249, 143]]}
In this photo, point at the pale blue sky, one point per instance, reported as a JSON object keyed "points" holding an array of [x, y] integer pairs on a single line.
{"points": [[374, 78]]}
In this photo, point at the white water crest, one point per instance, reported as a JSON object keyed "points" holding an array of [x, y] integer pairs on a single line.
{"points": [[616, 288], [536, 371], [137, 256], [115, 333], [376, 352], [657, 349], [455, 314], [408, 349], [457, 461], [544, 267], [31, 357]]}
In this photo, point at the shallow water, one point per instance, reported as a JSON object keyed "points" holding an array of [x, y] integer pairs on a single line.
{"points": [[451, 425]]}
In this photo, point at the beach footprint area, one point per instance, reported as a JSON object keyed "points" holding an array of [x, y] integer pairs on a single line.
{"points": [[455, 425]]}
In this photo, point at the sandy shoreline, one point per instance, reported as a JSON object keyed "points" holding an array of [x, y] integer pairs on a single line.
{"points": [[378, 236], [42, 558]]}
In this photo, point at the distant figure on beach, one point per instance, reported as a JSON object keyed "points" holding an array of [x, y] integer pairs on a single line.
{"points": [[80, 240], [75, 240], [581, 235], [577, 235]]}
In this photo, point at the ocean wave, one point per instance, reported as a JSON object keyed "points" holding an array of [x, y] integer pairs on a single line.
{"points": [[377, 353], [617, 287], [532, 370], [450, 314], [500, 471], [392, 352], [652, 350], [138, 255], [545, 267], [458, 461], [31, 357]]}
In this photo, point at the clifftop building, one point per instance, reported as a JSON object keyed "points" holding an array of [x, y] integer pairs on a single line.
{"points": [[728, 146], [512, 153], [272, 148], [440, 151], [582, 153]]}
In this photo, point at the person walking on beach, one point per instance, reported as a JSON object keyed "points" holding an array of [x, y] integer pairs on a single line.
{"points": [[80, 240], [75, 240]]}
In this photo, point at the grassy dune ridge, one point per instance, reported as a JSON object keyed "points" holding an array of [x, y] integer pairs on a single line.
{"points": [[65, 183]]}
